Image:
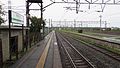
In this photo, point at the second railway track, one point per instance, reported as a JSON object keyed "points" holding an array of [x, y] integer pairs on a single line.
{"points": [[98, 56], [72, 57], [96, 47]]}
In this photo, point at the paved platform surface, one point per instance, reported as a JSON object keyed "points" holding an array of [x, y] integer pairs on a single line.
{"points": [[53, 59], [45, 55]]}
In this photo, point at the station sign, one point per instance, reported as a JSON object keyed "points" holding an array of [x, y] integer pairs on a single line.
{"points": [[17, 18]]}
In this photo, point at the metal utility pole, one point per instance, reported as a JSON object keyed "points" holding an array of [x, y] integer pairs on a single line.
{"points": [[27, 23], [60, 23], [27, 13], [9, 21], [100, 22], [65, 24], [42, 18], [105, 25], [77, 7], [49, 26], [22, 37], [28, 4], [81, 24], [74, 23]]}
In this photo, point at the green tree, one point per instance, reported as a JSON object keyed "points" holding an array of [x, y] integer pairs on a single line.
{"points": [[35, 28], [1, 14], [36, 24]]}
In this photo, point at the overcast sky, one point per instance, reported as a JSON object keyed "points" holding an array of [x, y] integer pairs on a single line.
{"points": [[56, 12]]}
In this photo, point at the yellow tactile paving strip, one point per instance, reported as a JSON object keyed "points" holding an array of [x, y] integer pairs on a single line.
{"points": [[42, 59]]}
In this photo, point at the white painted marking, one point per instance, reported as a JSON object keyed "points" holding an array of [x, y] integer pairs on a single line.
{"points": [[55, 43]]}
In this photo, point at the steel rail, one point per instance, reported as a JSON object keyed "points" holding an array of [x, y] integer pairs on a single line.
{"points": [[74, 66], [89, 63], [115, 56]]}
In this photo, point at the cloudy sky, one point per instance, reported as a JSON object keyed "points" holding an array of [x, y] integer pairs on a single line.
{"points": [[57, 12]]}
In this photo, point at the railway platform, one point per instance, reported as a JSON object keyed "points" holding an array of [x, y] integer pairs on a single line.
{"points": [[44, 55]]}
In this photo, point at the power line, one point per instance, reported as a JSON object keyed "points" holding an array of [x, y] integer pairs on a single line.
{"points": [[103, 3]]}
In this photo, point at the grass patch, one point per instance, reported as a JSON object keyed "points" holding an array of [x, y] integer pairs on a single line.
{"points": [[118, 38], [114, 50], [99, 34]]}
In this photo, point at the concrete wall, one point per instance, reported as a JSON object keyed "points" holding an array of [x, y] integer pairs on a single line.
{"points": [[20, 45], [5, 42], [5, 45]]}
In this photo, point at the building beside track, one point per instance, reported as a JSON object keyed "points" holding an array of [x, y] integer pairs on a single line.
{"points": [[17, 36]]}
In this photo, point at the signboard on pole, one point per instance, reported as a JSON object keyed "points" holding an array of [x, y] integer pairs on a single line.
{"points": [[17, 18]]}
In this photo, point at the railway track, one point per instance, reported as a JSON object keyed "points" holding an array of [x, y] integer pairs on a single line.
{"points": [[73, 58], [95, 47], [101, 58]]}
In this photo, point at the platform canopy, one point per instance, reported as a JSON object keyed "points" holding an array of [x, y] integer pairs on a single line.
{"points": [[35, 1]]}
